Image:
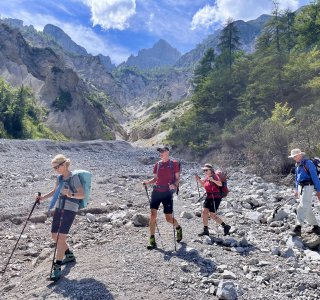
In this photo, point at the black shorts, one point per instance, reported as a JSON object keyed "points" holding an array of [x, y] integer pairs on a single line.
{"points": [[212, 204], [66, 217], [162, 197]]}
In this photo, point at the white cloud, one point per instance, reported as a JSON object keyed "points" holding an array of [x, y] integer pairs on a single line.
{"points": [[237, 10], [111, 14], [205, 17]]}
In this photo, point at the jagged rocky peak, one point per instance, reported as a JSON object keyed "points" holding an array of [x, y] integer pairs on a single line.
{"points": [[160, 55], [106, 61], [16, 23], [62, 39]]}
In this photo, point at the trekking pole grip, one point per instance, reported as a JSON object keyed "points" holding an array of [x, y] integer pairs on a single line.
{"points": [[38, 200]]}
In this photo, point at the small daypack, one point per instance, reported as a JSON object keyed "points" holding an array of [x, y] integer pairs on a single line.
{"points": [[223, 178], [172, 170], [85, 179]]}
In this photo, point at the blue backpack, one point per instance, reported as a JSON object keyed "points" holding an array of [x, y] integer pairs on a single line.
{"points": [[85, 179]]}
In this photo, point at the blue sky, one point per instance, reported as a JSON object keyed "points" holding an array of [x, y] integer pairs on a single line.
{"points": [[118, 28]]}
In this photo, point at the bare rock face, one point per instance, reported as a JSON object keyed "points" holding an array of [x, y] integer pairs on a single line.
{"points": [[58, 88], [63, 39], [160, 55]]}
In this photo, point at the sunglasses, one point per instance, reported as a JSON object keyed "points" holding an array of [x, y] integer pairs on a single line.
{"points": [[58, 166]]}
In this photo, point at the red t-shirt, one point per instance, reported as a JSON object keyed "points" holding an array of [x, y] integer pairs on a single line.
{"points": [[164, 176], [211, 188]]}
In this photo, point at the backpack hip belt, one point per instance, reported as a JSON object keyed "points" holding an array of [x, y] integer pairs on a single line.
{"points": [[161, 187], [304, 183]]}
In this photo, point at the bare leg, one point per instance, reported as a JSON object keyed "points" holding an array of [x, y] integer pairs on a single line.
{"points": [[153, 220], [170, 219], [62, 245], [205, 216], [216, 218]]}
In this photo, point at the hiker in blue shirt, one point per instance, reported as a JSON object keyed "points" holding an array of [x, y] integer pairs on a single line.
{"points": [[306, 180]]}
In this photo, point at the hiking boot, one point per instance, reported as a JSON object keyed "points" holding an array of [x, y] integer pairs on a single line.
{"points": [[56, 273], [179, 234], [152, 243], [296, 231], [226, 229], [204, 232], [316, 229], [68, 258]]}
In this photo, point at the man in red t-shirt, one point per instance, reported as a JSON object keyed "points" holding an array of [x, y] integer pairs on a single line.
{"points": [[166, 180]]}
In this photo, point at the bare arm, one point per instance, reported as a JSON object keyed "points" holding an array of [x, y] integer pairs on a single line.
{"points": [[48, 195], [78, 195], [217, 182], [174, 185], [151, 181], [198, 179]]}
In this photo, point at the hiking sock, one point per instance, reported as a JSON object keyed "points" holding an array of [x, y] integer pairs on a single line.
{"points": [[59, 262], [152, 242], [68, 251], [179, 233]]}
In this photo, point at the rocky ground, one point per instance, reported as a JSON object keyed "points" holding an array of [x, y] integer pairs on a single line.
{"points": [[259, 260]]}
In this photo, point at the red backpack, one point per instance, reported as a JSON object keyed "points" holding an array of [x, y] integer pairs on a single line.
{"points": [[223, 178]]}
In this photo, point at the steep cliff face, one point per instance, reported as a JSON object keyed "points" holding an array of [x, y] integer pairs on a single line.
{"points": [[63, 40], [162, 54], [71, 107]]}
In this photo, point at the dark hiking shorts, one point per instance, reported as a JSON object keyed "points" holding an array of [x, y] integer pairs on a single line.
{"points": [[66, 216], [212, 204], [162, 197]]}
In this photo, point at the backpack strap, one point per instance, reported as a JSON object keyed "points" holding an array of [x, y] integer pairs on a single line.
{"points": [[173, 176], [305, 168], [56, 193], [158, 167]]}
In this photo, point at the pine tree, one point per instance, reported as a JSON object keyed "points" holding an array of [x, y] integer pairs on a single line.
{"points": [[229, 43]]}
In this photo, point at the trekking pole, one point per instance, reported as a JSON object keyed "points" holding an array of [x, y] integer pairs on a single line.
{"points": [[200, 197], [198, 188], [174, 230], [58, 233], [146, 188], [37, 202]]}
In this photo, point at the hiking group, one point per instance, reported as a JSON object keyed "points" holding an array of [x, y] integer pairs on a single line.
{"points": [[72, 190]]}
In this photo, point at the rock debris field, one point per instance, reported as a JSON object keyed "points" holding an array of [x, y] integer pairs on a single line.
{"points": [[258, 260]]}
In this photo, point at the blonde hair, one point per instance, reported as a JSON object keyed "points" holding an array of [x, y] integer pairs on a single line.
{"points": [[60, 159]]}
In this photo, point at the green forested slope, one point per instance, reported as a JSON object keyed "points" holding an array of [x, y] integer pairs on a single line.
{"points": [[20, 117], [259, 105]]}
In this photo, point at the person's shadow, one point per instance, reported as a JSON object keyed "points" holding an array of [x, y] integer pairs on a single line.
{"points": [[207, 266], [83, 289]]}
